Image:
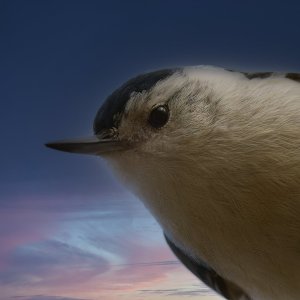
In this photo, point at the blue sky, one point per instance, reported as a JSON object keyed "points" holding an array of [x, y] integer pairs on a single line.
{"points": [[68, 230]]}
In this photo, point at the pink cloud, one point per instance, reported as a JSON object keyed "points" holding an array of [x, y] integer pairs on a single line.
{"points": [[21, 226], [45, 260]]}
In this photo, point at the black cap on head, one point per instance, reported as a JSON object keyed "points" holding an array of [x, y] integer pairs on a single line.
{"points": [[106, 138], [115, 103]]}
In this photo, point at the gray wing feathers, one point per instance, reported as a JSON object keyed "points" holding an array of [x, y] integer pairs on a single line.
{"points": [[262, 75], [200, 269]]}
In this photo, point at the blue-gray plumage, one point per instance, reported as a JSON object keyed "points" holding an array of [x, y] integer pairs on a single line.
{"points": [[209, 276]]}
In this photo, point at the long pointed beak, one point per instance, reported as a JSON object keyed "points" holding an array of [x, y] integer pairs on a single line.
{"points": [[93, 145]]}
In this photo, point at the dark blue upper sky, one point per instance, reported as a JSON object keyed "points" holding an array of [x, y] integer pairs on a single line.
{"points": [[60, 59]]}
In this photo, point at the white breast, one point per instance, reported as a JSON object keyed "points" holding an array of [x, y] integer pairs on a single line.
{"points": [[239, 207]]}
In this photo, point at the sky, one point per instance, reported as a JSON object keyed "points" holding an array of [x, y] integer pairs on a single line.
{"points": [[68, 229]]}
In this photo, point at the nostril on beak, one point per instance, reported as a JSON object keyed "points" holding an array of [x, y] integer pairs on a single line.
{"points": [[107, 133]]}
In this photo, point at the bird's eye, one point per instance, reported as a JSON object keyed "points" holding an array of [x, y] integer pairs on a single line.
{"points": [[159, 116]]}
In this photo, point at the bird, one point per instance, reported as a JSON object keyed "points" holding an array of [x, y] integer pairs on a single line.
{"points": [[214, 155]]}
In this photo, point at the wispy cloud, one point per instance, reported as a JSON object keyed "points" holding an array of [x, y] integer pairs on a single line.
{"points": [[43, 297], [52, 262], [178, 292], [113, 252]]}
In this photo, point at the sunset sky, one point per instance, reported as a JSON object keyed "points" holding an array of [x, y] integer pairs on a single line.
{"points": [[68, 230]]}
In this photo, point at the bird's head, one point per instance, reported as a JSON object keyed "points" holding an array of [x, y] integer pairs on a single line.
{"points": [[157, 114], [157, 132]]}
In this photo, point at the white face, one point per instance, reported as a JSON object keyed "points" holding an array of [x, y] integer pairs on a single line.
{"points": [[190, 115], [156, 154]]}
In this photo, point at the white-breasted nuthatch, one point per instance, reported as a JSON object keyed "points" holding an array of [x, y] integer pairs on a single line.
{"points": [[215, 156]]}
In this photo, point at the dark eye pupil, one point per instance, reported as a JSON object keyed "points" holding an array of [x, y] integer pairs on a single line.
{"points": [[159, 116]]}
